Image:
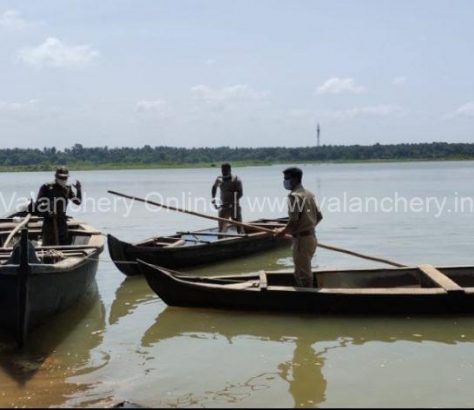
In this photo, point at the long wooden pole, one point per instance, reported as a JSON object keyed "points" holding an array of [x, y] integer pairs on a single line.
{"points": [[23, 223], [185, 211], [24, 271], [256, 228]]}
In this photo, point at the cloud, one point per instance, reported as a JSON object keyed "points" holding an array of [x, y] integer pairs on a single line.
{"points": [[368, 111], [337, 85], [150, 105], [12, 107], [54, 53], [27, 113], [12, 20], [399, 81], [154, 108], [466, 110], [232, 93]]}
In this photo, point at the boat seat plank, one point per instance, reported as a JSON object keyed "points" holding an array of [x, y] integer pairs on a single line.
{"points": [[383, 291], [55, 247], [266, 223], [207, 233], [161, 238], [164, 244], [243, 285], [440, 278], [180, 242], [263, 280], [34, 225]]}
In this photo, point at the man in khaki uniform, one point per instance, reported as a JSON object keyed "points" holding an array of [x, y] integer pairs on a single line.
{"points": [[304, 215], [231, 192]]}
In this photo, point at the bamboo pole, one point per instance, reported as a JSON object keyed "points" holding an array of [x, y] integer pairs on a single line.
{"points": [[16, 229], [256, 228]]}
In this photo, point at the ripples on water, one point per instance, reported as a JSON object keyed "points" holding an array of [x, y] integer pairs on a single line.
{"points": [[123, 343]]}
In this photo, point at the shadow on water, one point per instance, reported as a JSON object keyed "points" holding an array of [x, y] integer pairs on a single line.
{"points": [[274, 259], [313, 339], [22, 365], [131, 293]]}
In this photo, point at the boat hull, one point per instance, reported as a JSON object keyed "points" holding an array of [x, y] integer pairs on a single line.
{"points": [[175, 291], [50, 291], [37, 282], [125, 254]]}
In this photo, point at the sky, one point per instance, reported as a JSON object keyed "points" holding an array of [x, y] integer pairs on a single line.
{"points": [[246, 73]]}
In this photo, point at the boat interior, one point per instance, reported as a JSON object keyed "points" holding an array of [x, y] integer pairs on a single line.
{"points": [[422, 277], [80, 241], [207, 236]]}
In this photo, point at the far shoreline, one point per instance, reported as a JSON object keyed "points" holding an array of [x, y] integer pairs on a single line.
{"points": [[236, 164]]}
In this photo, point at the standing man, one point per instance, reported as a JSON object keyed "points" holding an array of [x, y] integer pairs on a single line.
{"points": [[52, 202], [304, 215], [231, 192]]}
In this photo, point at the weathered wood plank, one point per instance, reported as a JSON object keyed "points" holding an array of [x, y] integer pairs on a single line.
{"points": [[207, 233], [266, 224], [380, 291], [179, 242], [56, 247], [263, 280], [242, 285], [35, 224], [440, 278], [71, 231]]}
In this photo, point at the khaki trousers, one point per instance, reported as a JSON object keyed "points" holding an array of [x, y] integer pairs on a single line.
{"points": [[230, 212], [304, 248]]}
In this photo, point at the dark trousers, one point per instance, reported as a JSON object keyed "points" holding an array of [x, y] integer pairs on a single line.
{"points": [[55, 231]]}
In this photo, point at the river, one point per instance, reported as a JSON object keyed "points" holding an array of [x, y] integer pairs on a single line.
{"points": [[126, 344]]}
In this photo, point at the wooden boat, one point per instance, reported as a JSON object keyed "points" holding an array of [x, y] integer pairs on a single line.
{"points": [[193, 248], [62, 331], [424, 289], [36, 282]]}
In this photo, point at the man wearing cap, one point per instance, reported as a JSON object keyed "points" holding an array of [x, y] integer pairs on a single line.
{"points": [[231, 192], [52, 202], [304, 215]]}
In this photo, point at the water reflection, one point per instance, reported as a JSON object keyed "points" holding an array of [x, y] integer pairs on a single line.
{"points": [[130, 294], [38, 374], [314, 339], [271, 260], [210, 358], [303, 373]]}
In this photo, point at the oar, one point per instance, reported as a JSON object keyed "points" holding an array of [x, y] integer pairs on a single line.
{"points": [[256, 228]]}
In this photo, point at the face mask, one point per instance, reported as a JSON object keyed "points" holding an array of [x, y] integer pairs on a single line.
{"points": [[226, 176], [62, 182], [287, 184]]}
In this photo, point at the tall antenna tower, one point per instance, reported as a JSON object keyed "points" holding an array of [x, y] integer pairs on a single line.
{"points": [[318, 135]]}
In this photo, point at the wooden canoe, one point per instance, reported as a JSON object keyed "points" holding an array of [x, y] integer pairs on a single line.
{"points": [[411, 290], [36, 282], [185, 249], [88, 313]]}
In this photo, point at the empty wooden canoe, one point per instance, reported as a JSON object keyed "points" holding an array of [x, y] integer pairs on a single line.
{"points": [[409, 290], [185, 249]]}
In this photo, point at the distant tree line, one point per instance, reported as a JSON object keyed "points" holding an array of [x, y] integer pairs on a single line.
{"points": [[77, 154]]}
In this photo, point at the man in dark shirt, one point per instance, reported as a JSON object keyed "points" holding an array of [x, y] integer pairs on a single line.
{"points": [[231, 192], [52, 202]]}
